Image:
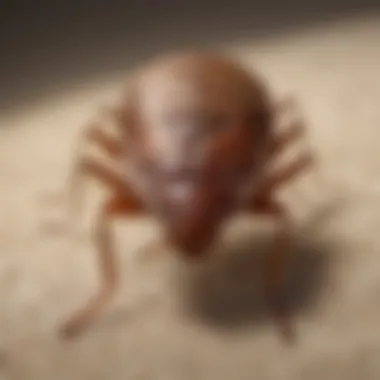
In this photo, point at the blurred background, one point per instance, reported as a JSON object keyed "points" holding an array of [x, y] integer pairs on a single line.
{"points": [[59, 62], [49, 47]]}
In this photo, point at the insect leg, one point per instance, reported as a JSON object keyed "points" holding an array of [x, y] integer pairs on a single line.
{"points": [[287, 173], [275, 266], [263, 203], [115, 206], [89, 167], [94, 133], [109, 145], [280, 141]]}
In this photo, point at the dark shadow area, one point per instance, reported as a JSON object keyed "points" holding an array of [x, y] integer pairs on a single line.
{"points": [[50, 47], [228, 293]]}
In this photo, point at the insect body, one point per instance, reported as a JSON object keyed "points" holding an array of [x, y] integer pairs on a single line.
{"points": [[196, 135]]}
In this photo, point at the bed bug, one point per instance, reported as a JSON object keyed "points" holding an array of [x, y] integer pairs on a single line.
{"points": [[196, 135]]}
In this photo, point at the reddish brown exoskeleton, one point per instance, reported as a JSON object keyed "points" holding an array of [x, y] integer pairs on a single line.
{"points": [[196, 135]]}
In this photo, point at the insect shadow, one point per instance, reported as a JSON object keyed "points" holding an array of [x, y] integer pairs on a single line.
{"points": [[227, 293]]}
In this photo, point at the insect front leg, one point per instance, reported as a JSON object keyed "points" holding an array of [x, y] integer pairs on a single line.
{"points": [[121, 203]]}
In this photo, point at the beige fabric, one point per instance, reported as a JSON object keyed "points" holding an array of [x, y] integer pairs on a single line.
{"points": [[170, 322]]}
